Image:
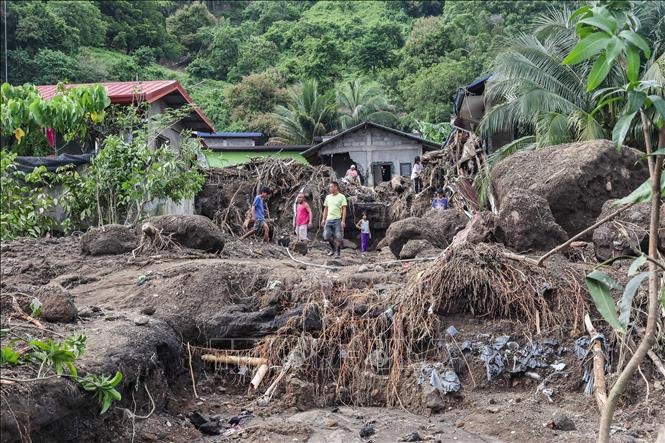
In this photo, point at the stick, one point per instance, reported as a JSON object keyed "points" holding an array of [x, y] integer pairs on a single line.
{"points": [[258, 377], [234, 359], [191, 371], [598, 366], [656, 361], [268, 394], [581, 234], [25, 316]]}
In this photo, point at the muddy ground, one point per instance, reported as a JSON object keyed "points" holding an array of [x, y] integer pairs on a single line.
{"points": [[139, 314]]}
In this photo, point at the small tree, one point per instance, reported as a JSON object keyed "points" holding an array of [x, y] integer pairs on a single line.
{"points": [[608, 35]]}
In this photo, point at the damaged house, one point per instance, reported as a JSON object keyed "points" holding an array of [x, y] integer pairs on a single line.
{"points": [[379, 152]]}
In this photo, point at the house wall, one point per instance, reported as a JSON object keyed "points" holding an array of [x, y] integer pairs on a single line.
{"points": [[172, 133], [369, 146]]}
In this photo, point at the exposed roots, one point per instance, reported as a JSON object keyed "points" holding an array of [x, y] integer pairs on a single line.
{"points": [[152, 241]]}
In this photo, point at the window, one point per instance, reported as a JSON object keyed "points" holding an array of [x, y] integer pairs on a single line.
{"points": [[161, 141], [405, 169]]}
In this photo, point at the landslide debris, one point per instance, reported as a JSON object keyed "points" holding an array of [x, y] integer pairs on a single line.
{"points": [[190, 231], [576, 179], [109, 240]]}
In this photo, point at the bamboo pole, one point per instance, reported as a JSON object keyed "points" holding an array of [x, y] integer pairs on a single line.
{"points": [[598, 366]]}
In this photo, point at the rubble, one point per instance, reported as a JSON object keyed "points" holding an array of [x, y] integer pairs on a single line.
{"points": [[109, 240], [626, 234], [191, 231], [576, 179]]}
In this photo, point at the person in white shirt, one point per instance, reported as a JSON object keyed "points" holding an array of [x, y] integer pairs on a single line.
{"points": [[415, 175]]}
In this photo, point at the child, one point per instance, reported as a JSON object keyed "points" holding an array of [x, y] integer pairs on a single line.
{"points": [[440, 202], [363, 225]]}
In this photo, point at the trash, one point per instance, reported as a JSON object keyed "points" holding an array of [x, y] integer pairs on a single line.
{"points": [[547, 392], [367, 431], [448, 383], [452, 331], [493, 360], [500, 342], [558, 366], [203, 425]]}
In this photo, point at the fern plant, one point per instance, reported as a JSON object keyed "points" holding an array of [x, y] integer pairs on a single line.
{"points": [[103, 387]]}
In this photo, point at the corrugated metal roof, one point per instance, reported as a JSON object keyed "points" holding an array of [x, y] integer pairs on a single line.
{"points": [[131, 92], [230, 134]]}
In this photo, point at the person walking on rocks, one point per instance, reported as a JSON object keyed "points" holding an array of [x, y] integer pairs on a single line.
{"points": [[259, 216], [333, 219], [416, 171], [303, 218], [365, 235]]}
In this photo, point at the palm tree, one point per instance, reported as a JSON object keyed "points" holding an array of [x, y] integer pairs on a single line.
{"points": [[359, 101], [308, 114]]}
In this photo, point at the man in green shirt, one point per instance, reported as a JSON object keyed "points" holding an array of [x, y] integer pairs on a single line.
{"points": [[333, 219]]}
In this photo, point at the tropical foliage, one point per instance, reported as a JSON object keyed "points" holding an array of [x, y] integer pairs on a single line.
{"points": [[359, 101], [309, 113]]}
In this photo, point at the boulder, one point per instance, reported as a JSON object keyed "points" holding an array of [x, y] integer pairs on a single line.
{"points": [[627, 233], [57, 304], [190, 231], [480, 229], [575, 178], [109, 240], [526, 223], [413, 248], [437, 227]]}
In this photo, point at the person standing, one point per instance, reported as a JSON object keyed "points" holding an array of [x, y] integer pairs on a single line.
{"points": [[416, 172], [333, 219], [439, 202], [303, 218], [259, 216], [365, 235]]}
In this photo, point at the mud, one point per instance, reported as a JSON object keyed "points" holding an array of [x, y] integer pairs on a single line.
{"points": [[140, 312]]}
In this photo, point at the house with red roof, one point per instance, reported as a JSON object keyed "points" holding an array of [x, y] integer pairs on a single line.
{"points": [[159, 94]]}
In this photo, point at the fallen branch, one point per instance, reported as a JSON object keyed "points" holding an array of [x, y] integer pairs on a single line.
{"points": [[598, 366], [656, 361], [25, 316], [583, 233], [234, 359], [191, 371]]}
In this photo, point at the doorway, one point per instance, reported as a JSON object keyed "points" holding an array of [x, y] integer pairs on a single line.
{"points": [[382, 172]]}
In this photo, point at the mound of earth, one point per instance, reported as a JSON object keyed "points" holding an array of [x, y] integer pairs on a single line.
{"points": [[109, 240], [437, 227], [627, 233], [526, 222], [575, 179], [190, 231]]}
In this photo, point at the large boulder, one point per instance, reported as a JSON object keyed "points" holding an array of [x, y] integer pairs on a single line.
{"points": [[627, 233], [109, 240], [416, 248], [190, 231], [57, 304], [437, 227], [575, 179], [480, 229], [526, 223]]}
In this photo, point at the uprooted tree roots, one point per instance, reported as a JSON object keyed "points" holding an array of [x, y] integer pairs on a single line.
{"points": [[152, 240], [367, 339]]}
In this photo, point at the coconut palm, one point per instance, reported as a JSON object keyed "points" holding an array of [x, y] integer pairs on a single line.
{"points": [[359, 101], [307, 115]]}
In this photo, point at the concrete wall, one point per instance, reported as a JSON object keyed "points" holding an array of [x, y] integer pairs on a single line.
{"points": [[217, 142], [171, 134], [370, 146]]}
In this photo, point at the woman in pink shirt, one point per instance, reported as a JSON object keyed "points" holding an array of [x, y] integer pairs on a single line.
{"points": [[302, 219]]}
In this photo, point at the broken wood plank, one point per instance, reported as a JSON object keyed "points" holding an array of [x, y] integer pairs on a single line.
{"points": [[599, 386]]}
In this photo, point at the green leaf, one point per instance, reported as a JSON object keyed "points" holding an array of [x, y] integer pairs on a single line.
{"points": [[621, 129], [115, 395], [598, 73], [633, 58], [627, 300], [117, 378], [599, 289], [642, 193], [580, 12], [635, 101], [607, 24], [660, 151], [635, 39], [636, 264], [658, 103], [106, 403], [587, 48], [614, 48], [605, 279]]}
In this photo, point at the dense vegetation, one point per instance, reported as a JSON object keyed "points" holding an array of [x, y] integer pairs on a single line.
{"points": [[239, 58]]}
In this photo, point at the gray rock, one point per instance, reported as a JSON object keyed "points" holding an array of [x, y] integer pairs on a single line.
{"points": [[148, 310], [414, 436], [563, 423], [432, 399], [57, 304], [190, 231], [141, 320], [109, 240]]}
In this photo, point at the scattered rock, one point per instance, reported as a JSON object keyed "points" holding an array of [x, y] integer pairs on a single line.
{"points": [[414, 436], [141, 320], [363, 268], [432, 399], [480, 229], [109, 240], [437, 227], [413, 247], [526, 222], [367, 431], [627, 233], [348, 244], [57, 304], [148, 310], [561, 422], [299, 246], [330, 423], [573, 178], [300, 394], [190, 231]]}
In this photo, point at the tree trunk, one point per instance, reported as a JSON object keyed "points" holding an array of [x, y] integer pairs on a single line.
{"points": [[649, 338]]}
